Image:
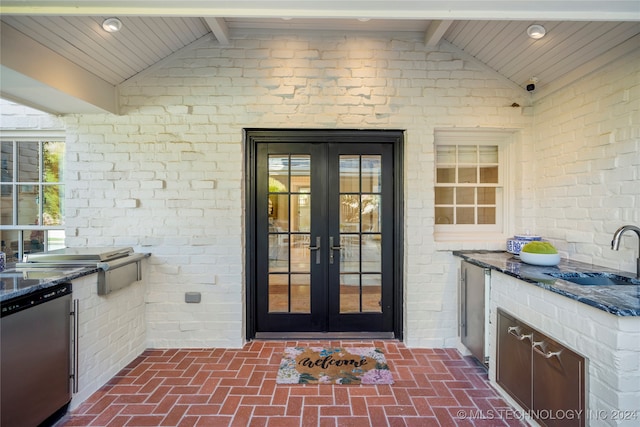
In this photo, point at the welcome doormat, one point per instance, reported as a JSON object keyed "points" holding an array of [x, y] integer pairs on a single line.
{"points": [[318, 365]]}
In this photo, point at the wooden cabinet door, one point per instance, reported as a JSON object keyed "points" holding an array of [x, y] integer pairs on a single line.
{"points": [[558, 383], [513, 359]]}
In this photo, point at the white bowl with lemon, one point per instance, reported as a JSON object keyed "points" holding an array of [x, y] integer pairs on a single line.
{"points": [[540, 253]]}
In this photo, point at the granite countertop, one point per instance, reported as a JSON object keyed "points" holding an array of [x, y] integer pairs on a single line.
{"points": [[620, 300], [17, 282]]}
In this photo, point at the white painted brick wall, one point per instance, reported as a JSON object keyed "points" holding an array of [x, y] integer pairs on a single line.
{"points": [[18, 117], [610, 343], [112, 332], [144, 177], [585, 160], [177, 152]]}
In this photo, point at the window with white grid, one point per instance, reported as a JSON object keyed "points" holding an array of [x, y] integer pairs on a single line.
{"points": [[470, 196]]}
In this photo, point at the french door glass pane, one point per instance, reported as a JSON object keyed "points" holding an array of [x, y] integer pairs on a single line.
{"points": [[350, 253], [371, 253], [349, 293], [278, 173], [349, 174], [360, 233], [300, 212], [289, 223], [300, 253], [278, 213], [278, 252], [371, 174], [372, 293], [349, 213], [370, 213], [300, 293], [290, 292], [360, 293], [278, 293]]}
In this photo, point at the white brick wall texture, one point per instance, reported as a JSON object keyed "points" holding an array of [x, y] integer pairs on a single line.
{"points": [[585, 161], [112, 332], [18, 117], [610, 343], [167, 175]]}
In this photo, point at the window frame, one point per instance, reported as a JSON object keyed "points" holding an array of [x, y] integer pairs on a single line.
{"points": [[503, 139], [23, 230]]}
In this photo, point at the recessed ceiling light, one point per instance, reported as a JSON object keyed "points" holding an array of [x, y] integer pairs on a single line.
{"points": [[536, 31], [112, 25], [364, 19]]}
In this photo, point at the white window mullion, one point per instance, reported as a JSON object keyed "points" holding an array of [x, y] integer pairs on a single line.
{"points": [[490, 169]]}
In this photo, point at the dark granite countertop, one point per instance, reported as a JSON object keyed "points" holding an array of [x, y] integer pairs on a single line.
{"points": [[22, 281], [620, 300]]}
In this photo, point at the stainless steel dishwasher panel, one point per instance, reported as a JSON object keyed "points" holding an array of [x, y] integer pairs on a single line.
{"points": [[35, 362], [473, 309]]}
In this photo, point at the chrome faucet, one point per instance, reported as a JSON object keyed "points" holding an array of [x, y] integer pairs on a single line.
{"points": [[615, 243]]}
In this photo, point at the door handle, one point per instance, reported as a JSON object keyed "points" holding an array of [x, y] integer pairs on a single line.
{"points": [[76, 346], [538, 348], [331, 249], [515, 331], [316, 248]]}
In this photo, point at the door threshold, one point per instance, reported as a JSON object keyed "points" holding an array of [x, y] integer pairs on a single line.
{"points": [[324, 335]]}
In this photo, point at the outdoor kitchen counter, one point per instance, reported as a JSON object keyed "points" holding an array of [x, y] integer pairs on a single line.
{"points": [[620, 300], [18, 282]]}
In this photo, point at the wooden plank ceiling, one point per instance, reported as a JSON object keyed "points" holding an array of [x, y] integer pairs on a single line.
{"points": [[570, 49]]}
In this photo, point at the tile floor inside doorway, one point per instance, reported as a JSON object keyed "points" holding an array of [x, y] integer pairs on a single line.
{"points": [[236, 387]]}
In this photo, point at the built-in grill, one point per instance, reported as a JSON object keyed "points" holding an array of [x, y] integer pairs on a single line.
{"points": [[118, 267]]}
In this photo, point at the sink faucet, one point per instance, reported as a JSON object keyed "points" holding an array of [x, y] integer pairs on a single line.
{"points": [[615, 243]]}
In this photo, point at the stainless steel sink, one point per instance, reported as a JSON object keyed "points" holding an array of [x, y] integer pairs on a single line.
{"points": [[596, 279]]}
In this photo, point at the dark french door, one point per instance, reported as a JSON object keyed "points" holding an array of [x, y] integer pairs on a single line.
{"points": [[324, 232]]}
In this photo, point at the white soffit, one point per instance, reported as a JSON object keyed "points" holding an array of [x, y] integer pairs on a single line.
{"points": [[397, 9], [26, 91], [54, 87]]}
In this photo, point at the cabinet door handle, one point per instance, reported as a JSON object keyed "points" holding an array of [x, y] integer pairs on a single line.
{"points": [[537, 347], [515, 331], [317, 249]]}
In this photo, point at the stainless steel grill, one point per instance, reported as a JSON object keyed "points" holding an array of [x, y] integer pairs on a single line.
{"points": [[118, 267]]}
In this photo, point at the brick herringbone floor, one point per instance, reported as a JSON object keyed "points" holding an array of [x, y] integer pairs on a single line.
{"points": [[231, 387]]}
